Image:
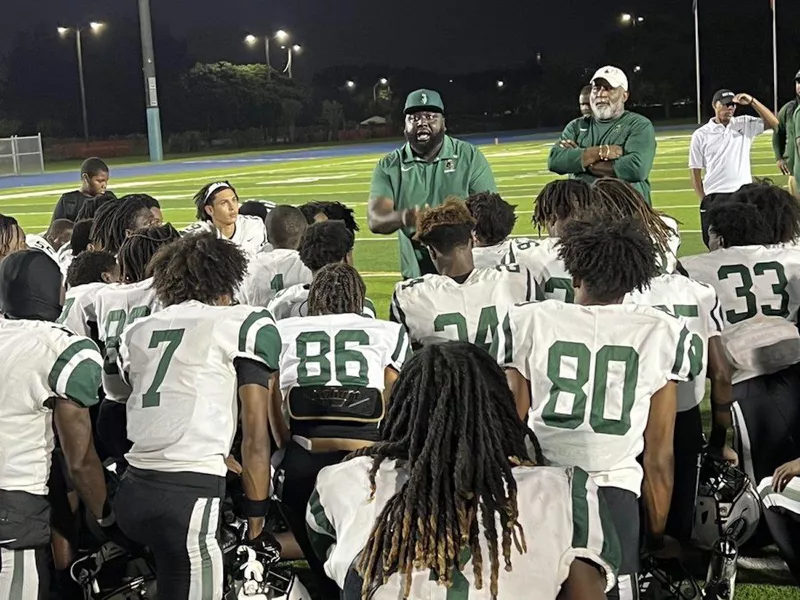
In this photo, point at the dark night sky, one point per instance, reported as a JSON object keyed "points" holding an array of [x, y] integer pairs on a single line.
{"points": [[448, 36]]}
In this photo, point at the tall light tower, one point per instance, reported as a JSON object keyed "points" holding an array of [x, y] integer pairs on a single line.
{"points": [[150, 89]]}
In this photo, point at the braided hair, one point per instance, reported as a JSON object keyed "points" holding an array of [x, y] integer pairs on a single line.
{"points": [[619, 199], [100, 234], [90, 206], [198, 267], [494, 217], [336, 289], [140, 246], [559, 200], [610, 255], [452, 418]]}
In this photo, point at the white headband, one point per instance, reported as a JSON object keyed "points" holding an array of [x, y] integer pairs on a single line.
{"points": [[214, 187]]}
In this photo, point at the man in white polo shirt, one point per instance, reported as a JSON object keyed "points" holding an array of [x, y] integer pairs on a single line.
{"points": [[721, 147]]}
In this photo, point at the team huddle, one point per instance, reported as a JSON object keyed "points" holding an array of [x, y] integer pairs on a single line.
{"points": [[527, 424]]}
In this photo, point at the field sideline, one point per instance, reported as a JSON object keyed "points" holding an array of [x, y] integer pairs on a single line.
{"points": [[520, 169]]}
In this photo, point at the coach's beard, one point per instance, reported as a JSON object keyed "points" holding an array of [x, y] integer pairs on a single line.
{"points": [[606, 112], [422, 148]]}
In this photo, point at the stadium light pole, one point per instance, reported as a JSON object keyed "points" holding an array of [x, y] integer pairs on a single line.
{"points": [[281, 36], [292, 51], [154, 143], [381, 81], [95, 26]]}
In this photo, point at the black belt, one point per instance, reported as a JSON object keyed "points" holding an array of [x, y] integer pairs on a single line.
{"points": [[336, 412]]}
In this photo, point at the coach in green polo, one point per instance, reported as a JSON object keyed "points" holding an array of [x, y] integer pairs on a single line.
{"points": [[428, 168]]}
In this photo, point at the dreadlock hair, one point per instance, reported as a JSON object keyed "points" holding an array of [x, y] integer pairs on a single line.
{"points": [[11, 235], [100, 234], [559, 200], [494, 217], [336, 289], [610, 255], [334, 211], [198, 267], [203, 198], [619, 199], [740, 223], [447, 226], [452, 418], [140, 246], [90, 206], [286, 226], [79, 240], [89, 267], [324, 243], [777, 207]]}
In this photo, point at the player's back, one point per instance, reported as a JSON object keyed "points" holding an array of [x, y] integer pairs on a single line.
{"points": [[179, 362], [486, 257], [293, 302], [541, 258], [751, 280], [57, 363], [345, 503], [699, 306], [437, 308], [593, 371], [270, 272], [79, 313], [117, 306]]}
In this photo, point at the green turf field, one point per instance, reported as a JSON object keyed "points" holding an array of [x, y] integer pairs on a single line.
{"points": [[520, 170]]}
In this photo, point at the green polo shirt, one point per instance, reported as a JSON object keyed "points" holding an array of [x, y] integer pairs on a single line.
{"points": [[784, 134], [632, 131], [460, 170]]}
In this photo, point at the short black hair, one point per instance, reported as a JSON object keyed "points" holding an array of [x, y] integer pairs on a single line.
{"points": [[139, 248], [560, 200], [324, 243], [611, 256], [447, 226], [89, 267], [776, 206], [93, 166], [286, 226], [254, 208], [740, 223], [203, 198], [199, 267], [80, 236], [90, 206], [335, 211], [586, 90], [494, 217]]}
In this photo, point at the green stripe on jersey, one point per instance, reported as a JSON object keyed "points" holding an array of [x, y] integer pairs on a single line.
{"points": [[322, 535], [680, 351], [509, 342], [611, 552], [401, 339], [369, 308], [84, 378], [247, 324], [580, 509], [267, 340]]}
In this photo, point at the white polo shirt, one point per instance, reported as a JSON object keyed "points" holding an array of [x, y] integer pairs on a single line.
{"points": [[724, 153]]}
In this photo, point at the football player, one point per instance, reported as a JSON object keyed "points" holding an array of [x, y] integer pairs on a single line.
{"points": [[555, 206], [597, 378], [88, 273], [452, 501], [780, 495], [777, 207], [12, 237], [337, 369], [759, 288], [460, 302], [324, 243], [186, 365], [52, 240], [116, 219], [56, 386], [218, 212], [494, 222], [78, 242], [270, 272], [316, 211], [117, 306]]}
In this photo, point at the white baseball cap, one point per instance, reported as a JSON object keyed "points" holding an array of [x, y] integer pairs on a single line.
{"points": [[612, 75]]}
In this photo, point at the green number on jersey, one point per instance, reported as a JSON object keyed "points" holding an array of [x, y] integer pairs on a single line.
{"points": [[485, 336], [696, 343], [115, 323], [341, 356], [68, 304], [173, 338], [276, 285], [561, 283], [680, 310], [508, 268], [745, 290], [582, 359]]}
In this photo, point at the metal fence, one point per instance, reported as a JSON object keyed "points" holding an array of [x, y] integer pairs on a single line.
{"points": [[21, 155]]}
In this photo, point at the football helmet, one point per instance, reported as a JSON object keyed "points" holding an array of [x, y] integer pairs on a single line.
{"points": [[727, 504], [666, 579]]}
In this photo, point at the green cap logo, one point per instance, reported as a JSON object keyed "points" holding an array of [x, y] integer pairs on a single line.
{"points": [[424, 98]]}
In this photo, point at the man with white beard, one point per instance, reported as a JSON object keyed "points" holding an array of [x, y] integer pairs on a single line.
{"points": [[612, 142]]}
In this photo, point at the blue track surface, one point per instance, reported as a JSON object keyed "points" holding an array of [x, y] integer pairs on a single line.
{"points": [[203, 164]]}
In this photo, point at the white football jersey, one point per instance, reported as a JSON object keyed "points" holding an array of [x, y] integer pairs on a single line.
{"points": [[250, 233], [553, 281], [293, 302], [182, 410], [57, 363], [592, 372], [751, 280], [117, 306], [486, 257], [64, 258], [436, 308], [38, 242], [342, 513], [698, 304], [79, 313], [270, 272]]}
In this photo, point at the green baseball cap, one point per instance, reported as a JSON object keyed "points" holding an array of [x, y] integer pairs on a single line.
{"points": [[424, 100]]}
